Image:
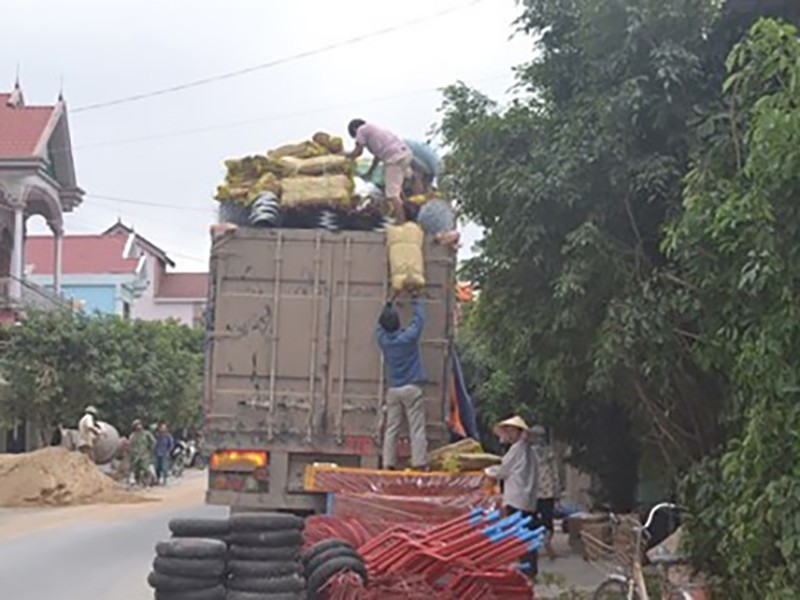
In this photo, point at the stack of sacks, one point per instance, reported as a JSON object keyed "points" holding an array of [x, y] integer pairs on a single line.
{"points": [[311, 172]]}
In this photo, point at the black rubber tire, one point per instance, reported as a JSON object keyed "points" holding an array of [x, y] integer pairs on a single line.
{"points": [[334, 566], [323, 546], [268, 585], [192, 548], [249, 522], [250, 553], [199, 528], [225, 539], [264, 568], [330, 554], [234, 595], [611, 589], [268, 539], [215, 593], [171, 583], [208, 568]]}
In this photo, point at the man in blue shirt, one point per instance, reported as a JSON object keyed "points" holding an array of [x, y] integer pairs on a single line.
{"points": [[404, 374], [164, 445]]}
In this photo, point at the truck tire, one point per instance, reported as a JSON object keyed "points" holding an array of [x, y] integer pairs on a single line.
{"points": [[328, 555], [198, 528], [268, 585], [215, 593], [171, 583], [186, 567], [323, 546], [251, 553], [249, 522], [266, 568], [268, 539], [192, 548], [235, 595], [337, 565]]}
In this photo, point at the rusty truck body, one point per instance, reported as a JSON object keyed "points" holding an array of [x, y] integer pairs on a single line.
{"points": [[293, 373]]}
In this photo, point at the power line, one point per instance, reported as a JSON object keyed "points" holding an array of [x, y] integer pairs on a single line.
{"points": [[266, 119], [147, 203], [273, 63]]}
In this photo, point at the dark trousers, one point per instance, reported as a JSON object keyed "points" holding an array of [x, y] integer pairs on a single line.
{"points": [[532, 558], [161, 468]]}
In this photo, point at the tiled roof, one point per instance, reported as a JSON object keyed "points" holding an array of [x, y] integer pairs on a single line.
{"points": [[183, 285], [21, 128], [82, 255]]}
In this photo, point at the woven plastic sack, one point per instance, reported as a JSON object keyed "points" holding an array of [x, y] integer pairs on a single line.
{"points": [[332, 189], [436, 216], [406, 263], [301, 150], [425, 158], [320, 165]]}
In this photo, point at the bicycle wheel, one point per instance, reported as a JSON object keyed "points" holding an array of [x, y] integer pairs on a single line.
{"points": [[613, 589]]}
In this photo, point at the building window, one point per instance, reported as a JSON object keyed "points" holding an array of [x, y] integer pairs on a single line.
{"points": [[126, 310]]}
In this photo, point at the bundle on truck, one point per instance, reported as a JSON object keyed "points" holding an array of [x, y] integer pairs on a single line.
{"points": [[293, 374]]}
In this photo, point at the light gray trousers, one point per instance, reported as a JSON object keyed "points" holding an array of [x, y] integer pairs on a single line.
{"points": [[406, 400]]}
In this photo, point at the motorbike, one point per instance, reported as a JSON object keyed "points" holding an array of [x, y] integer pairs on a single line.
{"points": [[179, 458]]}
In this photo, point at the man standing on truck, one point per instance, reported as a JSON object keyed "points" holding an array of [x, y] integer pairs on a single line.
{"points": [[389, 149], [401, 352]]}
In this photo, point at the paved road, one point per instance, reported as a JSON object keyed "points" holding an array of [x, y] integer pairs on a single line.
{"points": [[98, 553]]}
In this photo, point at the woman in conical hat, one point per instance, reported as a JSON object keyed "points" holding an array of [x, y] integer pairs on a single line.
{"points": [[519, 472]]}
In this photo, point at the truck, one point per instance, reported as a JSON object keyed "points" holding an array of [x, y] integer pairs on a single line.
{"points": [[293, 375]]}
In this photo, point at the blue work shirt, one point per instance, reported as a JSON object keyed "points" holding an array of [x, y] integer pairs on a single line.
{"points": [[401, 350], [164, 444]]}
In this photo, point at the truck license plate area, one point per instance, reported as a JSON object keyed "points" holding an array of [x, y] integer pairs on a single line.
{"points": [[256, 482]]}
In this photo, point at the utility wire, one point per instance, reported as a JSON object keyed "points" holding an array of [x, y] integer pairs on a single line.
{"points": [[149, 203], [273, 63]]}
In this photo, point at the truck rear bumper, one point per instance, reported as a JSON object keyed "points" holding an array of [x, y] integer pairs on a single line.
{"points": [[313, 503]]}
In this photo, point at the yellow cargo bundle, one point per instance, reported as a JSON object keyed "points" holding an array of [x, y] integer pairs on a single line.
{"points": [[406, 263], [301, 150], [467, 463], [330, 164], [333, 144], [332, 189], [437, 457]]}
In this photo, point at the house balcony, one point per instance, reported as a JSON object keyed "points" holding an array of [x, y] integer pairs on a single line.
{"points": [[27, 295]]}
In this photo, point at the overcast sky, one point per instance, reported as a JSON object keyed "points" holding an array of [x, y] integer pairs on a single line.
{"points": [[105, 50]]}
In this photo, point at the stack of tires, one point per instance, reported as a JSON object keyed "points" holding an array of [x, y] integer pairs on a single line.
{"points": [[326, 559], [264, 557], [189, 569], [209, 529]]}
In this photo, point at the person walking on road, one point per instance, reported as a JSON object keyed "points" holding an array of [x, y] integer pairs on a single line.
{"points": [[389, 149], [549, 487], [164, 445], [401, 352], [140, 449], [519, 474], [88, 432]]}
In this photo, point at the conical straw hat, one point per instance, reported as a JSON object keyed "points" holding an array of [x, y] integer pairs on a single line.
{"points": [[515, 421]]}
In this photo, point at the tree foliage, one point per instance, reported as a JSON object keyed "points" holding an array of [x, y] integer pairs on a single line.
{"points": [[639, 202], [56, 363]]}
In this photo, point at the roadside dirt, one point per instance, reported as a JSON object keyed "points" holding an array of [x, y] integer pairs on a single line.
{"points": [[57, 477], [185, 493]]}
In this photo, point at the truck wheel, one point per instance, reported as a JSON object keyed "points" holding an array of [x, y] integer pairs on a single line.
{"points": [[215, 593], [185, 567], [250, 553], [269, 539], [337, 565], [267, 568], [194, 528], [323, 546], [328, 555], [171, 583], [268, 585], [249, 522], [192, 548]]}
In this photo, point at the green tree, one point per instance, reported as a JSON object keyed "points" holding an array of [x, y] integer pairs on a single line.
{"points": [[55, 363], [738, 245]]}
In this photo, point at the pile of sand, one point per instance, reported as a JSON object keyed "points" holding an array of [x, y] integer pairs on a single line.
{"points": [[57, 477]]}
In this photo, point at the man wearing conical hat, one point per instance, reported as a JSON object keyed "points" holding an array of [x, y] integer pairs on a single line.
{"points": [[519, 473]]}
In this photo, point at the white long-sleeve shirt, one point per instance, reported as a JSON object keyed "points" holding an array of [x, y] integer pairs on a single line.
{"points": [[519, 472], [87, 431]]}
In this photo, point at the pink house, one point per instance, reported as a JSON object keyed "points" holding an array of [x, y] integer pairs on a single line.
{"points": [[120, 272]]}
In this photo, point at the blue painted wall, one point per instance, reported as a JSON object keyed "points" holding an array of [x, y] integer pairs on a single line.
{"points": [[101, 298]]}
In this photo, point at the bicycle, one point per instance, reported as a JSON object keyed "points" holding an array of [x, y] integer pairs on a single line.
{"points": [[623, 548]]}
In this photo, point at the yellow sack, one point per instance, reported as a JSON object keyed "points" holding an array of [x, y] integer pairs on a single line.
{"points": [[301, 150], [321, 165], [332, 189], [406, 264], [334, 145]]}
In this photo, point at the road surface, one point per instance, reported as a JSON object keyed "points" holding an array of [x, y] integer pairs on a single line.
{"points": [[91, 552]]}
